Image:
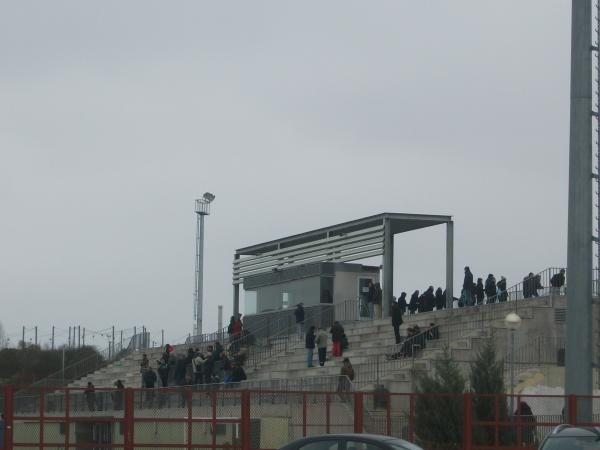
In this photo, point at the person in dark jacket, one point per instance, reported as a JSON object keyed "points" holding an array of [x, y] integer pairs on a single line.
{"points": [[310, 346], [557, 281], [428, 300], [337, 337], [117, 395], [163, 370], [230, 328], [299, 314], [527, 285], [536, 284], [479, 291], [413, 305], [396, 320], [90, 396], [237, 373], [490, 288], [377, 296], [433, 333], [370, 297], [502, 294], [528, 432], [149, 382], [440, 299], [468, 286], [402, 303]]}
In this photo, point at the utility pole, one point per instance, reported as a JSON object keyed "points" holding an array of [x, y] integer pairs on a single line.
{"points": [[113, 342], [162, 338], [78, 336], [52, 337], [69, 337], [83, 339], [578, 367], [35, 338], [23, 338]]}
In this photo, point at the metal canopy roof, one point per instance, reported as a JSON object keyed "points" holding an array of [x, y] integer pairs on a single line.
{"points": [[348, 241], [399, 222]]}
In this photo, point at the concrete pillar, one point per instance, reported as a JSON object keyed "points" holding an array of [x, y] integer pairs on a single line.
{"points": [[388, 267], [449, 264], [578, 370]]}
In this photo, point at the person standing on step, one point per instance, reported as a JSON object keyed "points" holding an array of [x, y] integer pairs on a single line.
{"points": [[479, 291], [310, 346], [163, 370], [346, 376], [490, 289], [370, 296], [440, 299], [143, 367], [396, 320], [299, 314], [237, 330], [428, 300], [468, 286], [322, 346], [237, 373], [413, 305], [501, 286], [377, 297], [402, 303], [149, 382], [90, 396], [536, 284], [557, 281], [337, 337], [117, 395]]}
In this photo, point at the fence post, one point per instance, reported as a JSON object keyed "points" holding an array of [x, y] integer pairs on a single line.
{"points": [[358, 412], [572, 409], [468, 422], [245, 419], [128, 420], [8, 417]]}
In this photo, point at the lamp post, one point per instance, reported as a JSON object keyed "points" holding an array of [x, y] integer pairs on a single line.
{"points": [[512, 322], [202, 209]]}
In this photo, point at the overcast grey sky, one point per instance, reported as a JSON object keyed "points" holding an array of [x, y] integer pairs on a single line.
{"points": [[115, 115]]}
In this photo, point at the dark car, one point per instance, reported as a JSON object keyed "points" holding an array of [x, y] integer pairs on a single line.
{"points": [[567, 437], [350, 442]]}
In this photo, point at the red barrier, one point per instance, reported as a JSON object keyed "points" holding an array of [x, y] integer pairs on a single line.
{"points": [[263, 420]]}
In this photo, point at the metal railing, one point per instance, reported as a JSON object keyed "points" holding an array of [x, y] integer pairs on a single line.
{"points": [[130, 342]]}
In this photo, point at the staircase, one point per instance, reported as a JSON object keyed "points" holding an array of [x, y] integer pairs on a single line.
{"points": [[370, 342]]}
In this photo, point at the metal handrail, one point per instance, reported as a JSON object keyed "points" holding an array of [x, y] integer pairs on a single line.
{"points": [[90, 363]]}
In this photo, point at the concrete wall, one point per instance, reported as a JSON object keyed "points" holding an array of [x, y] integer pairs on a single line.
{"points": [[345, 284]]}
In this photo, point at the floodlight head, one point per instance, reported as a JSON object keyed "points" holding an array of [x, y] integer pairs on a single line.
{"points": [[512, 321], [208, 197]]}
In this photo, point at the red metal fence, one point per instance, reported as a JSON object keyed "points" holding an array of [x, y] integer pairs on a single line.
{"points": [[258, 419]]}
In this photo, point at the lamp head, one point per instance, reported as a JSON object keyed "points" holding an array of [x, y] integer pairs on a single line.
{"points": [[512, 321], [208, 197]]}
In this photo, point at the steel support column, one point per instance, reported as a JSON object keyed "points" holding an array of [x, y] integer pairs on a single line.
{"points": [[449, 264], [236, 295], [388, 267], [578, 378]]}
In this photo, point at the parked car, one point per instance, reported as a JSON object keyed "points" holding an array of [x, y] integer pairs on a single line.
{"points": [[350, 441], [567, 437]]}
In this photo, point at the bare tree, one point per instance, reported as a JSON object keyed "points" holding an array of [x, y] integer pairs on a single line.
{"points": [[3, 340]]}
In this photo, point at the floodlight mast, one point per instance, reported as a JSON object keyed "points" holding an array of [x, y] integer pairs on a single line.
{"points": [[202, 209]]}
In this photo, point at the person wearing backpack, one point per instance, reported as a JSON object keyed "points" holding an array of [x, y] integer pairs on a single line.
{"points": [[322, 346]]}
